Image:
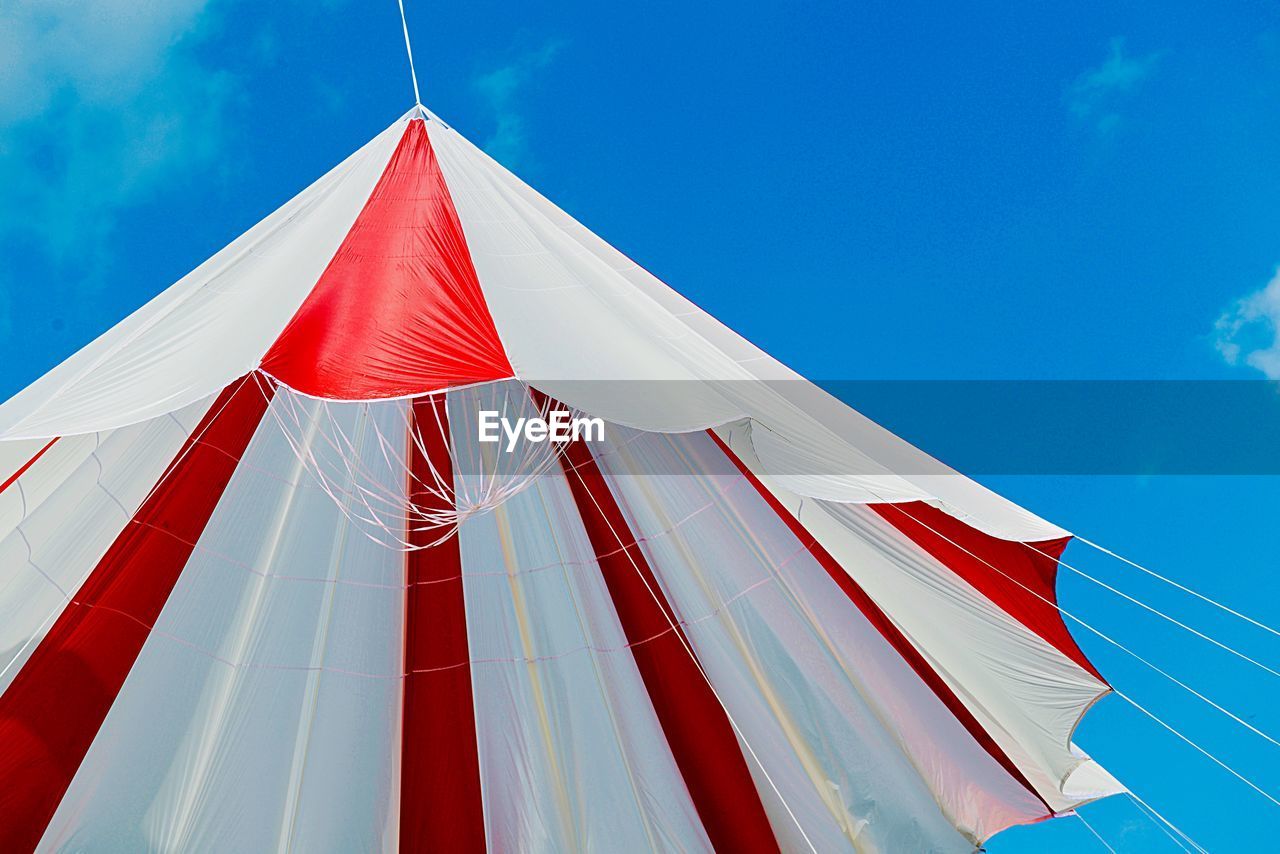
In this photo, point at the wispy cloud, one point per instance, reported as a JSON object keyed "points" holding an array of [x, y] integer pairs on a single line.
{"points": [[501, 88], [1097, 95], [99, 103], [1249, 331]]}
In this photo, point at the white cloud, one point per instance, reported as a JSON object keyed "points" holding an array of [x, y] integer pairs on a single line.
{"points": [[1249, 332], [500, 89], [99, 103], [1097, 95]]}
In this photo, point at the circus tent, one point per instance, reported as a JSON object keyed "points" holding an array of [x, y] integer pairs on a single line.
{"points": [[263, 585]]}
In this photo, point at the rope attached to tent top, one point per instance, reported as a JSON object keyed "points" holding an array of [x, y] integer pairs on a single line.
{"points": [[417, 99]]}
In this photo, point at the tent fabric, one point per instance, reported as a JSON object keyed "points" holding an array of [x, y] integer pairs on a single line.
{"points": [[20, 457], [92, 483], [285, 654], [270, 682], [572, 753], [51, 711], [1026, 693], [1017, 577], [398, 311], [574, 317], [254, 536], [588, 326], [879, 619], [809, 678], [697, 728]]}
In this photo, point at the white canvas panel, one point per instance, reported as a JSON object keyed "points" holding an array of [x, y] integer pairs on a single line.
{"points": [[572, 756], [588, 326], [263, 711], [49, 466], [65, 512], [15, 453], [1027, 694], [854, 751]]}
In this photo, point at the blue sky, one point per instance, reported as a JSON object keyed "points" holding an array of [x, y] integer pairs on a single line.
{"points": [[889, 190]]}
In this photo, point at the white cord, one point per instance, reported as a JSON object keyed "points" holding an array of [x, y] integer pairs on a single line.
{"points": [[1163, 823], [417, 99], [1160, 613], [1110, 640], [1096, 631], [1233, 612], [1095, 833], [1213, 758]]}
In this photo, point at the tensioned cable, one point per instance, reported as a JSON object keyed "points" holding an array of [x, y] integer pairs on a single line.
{"points": [[417, 99], [1184, 686], [1202, 750], [1202, 697], [1095, 833], [1114, 642], [1149, 817], [1160, 613], [1232, 611], [1163, 823], [1107, 638]]}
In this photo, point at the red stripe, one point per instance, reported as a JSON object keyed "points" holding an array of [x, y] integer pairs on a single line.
{"points": [[440, 803], [884, 625], [28, 464], [697, 729], [398, 311], [53, 709], [1019, 578]]}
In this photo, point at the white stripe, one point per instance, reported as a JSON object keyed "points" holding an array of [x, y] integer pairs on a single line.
{"points": [[1023, 691], [813, 687], [576, 316], [572, 756], [212, 326], [263, 711], [69, 508]]}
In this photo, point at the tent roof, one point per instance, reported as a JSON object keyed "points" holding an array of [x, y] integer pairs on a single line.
{"points": [[420, 264]]}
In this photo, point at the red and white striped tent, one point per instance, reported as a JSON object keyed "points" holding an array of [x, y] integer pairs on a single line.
{"points": [[262, 587]]}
